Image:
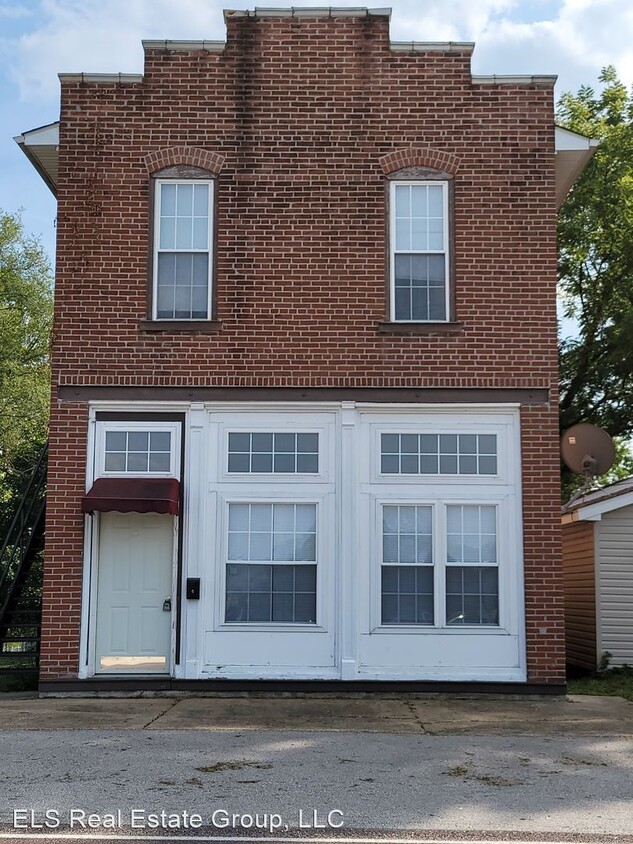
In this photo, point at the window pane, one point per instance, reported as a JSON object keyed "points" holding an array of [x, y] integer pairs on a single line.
{"points": [[285, 443], [419, 201], [200, 270], [275, 452], [472, 533], [160, 441], [184, 233], [115, 440], [403, 234], [137, 461], [261, 462], [436, 235], [308, 463], [272, 532], [403, 303], [419, 235], [305, 547], [239, 463], [472, 595], [487, 465], [264, 593], [407, 534], [262, 442], [390, 443], [487, 444], [307, 443], [138, 441], [159, 462], [168, 200], [115, 462], [238, 517], [448, 454], [167, 237], [407, 595], [239, 442], [284, 517], [403, 193], [436, 200], [184, 200], [284, 463], [261, 517], [305, 516], [201, 200]]}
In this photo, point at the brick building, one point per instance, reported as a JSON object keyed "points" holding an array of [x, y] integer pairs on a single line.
{"points": [[304, 408]]}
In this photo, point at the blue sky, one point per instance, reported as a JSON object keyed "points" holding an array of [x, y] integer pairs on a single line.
{"points": [[40, 38]]}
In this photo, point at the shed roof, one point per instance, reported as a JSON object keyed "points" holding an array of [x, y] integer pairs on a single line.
{"points": [[590, 507]]}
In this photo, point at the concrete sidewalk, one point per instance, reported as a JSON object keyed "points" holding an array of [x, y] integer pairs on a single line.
{"points": [[565, 716]]}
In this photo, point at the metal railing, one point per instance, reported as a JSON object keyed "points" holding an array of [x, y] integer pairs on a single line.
{"points": [[20, 577]]}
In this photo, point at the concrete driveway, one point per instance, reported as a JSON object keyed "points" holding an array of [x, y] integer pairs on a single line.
{"points": [[446, 767]]}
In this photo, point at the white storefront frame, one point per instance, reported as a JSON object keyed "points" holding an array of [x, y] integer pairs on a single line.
{"points": [[355, 479]]}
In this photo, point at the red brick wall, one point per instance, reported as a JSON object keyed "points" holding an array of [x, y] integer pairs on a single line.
{"points": [[302, 111]]}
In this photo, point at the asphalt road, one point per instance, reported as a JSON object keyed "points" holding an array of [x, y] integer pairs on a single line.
{"points": [[467, 786]]}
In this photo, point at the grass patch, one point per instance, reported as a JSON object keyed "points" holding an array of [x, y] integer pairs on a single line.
{"points": [[616, 682]]}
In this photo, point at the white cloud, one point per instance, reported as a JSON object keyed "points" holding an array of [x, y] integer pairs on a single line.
{"points": [[574, 39]]}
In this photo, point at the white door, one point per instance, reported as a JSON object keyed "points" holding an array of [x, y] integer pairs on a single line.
{"points": [[134, 593]]}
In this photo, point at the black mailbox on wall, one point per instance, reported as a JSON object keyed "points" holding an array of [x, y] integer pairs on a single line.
{"points": [[193, 588]]}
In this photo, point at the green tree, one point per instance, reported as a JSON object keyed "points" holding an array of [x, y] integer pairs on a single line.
{"points": [[25, 327], [595, 237]]}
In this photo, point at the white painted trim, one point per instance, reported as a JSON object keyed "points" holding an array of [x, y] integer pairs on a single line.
{"points": [[183, 46], [393, 185], [103, 427], [597, 592], [88, 585], [158, 198], [432, 46], [594, 512], [103, 78], [346, 478], [548, 80]]}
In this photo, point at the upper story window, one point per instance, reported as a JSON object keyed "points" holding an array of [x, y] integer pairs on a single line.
{"points": [[183, 249], [419, 238]]}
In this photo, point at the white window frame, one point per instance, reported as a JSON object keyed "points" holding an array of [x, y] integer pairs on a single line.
{"points": [[440, 564], [220, 578], [102, 428], [443, 183], [266, 422], [156, 250]]}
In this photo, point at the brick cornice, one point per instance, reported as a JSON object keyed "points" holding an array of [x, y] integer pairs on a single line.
{"points": [[419, 157], [193, 156]]}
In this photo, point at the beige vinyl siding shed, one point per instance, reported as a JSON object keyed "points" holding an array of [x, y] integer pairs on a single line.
{"points": [[598, 576]]}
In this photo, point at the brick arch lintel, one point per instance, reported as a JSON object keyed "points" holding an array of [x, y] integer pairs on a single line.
{"points": [[193, 156], [419, 157]]}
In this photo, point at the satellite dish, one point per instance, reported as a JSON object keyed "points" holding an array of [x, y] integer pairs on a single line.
{"points": [[587, 450]]}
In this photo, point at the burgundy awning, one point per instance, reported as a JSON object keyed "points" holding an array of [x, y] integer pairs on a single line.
{"points": [[133, 495]]}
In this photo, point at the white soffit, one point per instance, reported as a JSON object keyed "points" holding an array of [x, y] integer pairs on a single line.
{"points": [[573, 152], [41, 147]]}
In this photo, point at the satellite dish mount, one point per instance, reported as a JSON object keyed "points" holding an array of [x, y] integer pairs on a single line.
{"points": [[588, 451]]}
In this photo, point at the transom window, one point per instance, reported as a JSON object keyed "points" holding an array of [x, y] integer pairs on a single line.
{"points": [[419, 251], [438, 454], [276, 453], [277, 580], [182, 249], [137, 451]]}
